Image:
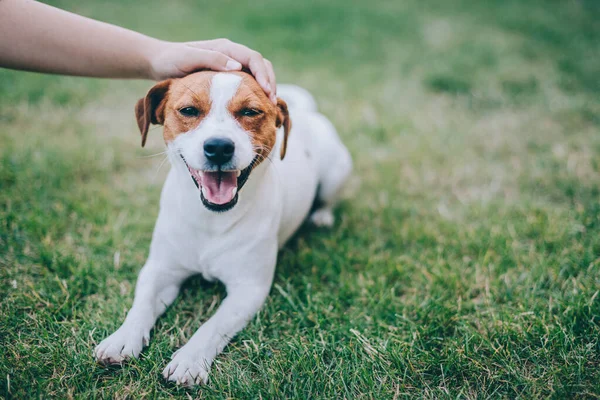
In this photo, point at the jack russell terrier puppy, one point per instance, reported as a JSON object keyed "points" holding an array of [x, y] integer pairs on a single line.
{"points": [[239, 187]]}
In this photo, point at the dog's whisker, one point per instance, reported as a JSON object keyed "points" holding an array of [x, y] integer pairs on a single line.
{"points": [[154, 155], [155, 128], [263, 157], [160, 166]]}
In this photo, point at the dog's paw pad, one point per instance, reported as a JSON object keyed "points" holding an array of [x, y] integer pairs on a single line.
{"points": [[187, 371], [323, 217], [119, 347]]}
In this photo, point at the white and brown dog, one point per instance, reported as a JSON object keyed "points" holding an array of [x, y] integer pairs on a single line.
{"points": [[239, 187]]}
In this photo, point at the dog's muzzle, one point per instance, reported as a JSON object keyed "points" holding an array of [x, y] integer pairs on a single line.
{"points": [[219, 190]]}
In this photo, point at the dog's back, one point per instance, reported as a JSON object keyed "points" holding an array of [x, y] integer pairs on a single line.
{"points": [[316, 166], [297, 98]]}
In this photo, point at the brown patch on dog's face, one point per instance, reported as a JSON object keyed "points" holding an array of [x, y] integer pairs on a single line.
{"points": [[178, 104], [181, 105], [256, 114], [188, 103]]}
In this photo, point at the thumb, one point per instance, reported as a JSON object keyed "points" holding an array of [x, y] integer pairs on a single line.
{"points": [[214, 60]]}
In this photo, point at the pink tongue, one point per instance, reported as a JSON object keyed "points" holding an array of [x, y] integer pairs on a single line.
{"points": [[219, 186]]}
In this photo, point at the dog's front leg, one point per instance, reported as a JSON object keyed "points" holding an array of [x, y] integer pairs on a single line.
{"points": [[156, 288], [246, 293], [191, 364]]}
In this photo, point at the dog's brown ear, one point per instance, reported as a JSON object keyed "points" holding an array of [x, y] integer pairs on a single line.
{"points": [[283, 118], [151, 109]]}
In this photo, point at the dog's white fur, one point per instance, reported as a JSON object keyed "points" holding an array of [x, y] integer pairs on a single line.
{"points": [[238, 247]]}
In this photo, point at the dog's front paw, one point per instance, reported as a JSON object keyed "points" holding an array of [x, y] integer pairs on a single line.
{"points": [[187, 368], [121, 345]]}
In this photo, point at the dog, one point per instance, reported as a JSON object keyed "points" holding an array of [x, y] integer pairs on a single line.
{"points": [[242, 181]]}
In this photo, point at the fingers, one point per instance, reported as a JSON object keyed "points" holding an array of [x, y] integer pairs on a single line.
{"points": [[272, 80], [210, 59], [261, 69]]}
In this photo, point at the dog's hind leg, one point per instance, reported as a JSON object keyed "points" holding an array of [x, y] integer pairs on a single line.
{"points": [[331, 181], [156, 289]]}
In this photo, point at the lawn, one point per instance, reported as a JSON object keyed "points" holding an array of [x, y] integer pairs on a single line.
{"points": [[466, 258]]}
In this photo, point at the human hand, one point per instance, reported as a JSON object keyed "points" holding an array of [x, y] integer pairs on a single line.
{"points": [[173, 60], [61, 42]]}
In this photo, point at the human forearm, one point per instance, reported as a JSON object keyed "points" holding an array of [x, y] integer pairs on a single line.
{"points": [[38, 37]]}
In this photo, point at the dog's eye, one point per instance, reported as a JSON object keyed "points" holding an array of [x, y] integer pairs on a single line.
{"points": [[189, 111], [250, 112]]}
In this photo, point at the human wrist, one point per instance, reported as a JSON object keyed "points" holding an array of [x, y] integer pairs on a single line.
{"points": [[152, 55]]}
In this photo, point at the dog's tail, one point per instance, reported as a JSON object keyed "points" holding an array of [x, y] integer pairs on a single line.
{"points": [[297, 98]]}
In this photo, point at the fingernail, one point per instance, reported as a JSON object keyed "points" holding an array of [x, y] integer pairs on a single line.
{"points": [[233, 65]]}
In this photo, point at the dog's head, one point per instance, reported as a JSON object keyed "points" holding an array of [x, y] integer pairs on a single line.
{"points": [[221, 125]]}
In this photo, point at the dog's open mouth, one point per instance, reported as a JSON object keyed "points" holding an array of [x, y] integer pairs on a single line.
{"points": [[219, 189]]}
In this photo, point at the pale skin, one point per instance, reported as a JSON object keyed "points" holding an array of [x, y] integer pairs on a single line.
{"points": [[37, 37]]}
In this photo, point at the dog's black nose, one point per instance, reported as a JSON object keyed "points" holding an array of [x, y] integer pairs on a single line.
{"points": [[219, 150]]}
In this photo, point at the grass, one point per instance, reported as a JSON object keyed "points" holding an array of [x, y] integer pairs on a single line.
{"points": [[465, 261]]}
